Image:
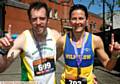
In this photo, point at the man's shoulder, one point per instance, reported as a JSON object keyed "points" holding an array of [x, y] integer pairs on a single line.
{"points": [[27, 30], [52, 30], [54, 33], [23, 35]]}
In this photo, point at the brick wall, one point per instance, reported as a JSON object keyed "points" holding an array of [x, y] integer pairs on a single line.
{"points": [[19, 19], [94, 19]]}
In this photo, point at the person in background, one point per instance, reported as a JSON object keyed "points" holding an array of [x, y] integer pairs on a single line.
{"points": [[78, 48], [36, 47]]}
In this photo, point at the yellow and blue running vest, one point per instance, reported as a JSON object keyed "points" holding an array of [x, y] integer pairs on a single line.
{"points": [[71, 67], [33, 68]]}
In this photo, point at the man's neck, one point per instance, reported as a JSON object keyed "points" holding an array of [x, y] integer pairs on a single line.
{"points": [[40, 36]]}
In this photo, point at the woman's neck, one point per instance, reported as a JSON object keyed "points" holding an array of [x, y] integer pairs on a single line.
{"points": [[78, 36]]}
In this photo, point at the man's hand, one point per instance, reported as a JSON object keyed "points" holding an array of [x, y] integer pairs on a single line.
{"points": [[6, 41]]}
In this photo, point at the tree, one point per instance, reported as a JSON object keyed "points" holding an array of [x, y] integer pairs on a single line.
{"points": [[110, 4], [118, 2]]}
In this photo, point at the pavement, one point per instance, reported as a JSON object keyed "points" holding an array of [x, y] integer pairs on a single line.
{"points": [[12, 74]]}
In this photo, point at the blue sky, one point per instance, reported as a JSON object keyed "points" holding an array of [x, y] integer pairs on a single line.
{"points": [[94, 8]]}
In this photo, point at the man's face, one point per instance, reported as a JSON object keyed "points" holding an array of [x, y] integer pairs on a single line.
{"points": [[39, 20], [78, 20]]}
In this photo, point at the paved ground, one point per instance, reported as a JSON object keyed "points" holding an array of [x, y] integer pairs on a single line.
{"points": [[12, 74]]}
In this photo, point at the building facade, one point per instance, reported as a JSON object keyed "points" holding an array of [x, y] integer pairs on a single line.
{"points": [[116, 19], [16, 15]]}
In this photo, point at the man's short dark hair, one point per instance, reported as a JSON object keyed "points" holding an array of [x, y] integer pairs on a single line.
{"points": [[76, 7], [37, 5]]}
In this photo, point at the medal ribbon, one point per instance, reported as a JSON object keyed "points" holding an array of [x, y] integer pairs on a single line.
{"points": [[79, 58]]}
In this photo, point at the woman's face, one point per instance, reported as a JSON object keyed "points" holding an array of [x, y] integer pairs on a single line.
{"points": [[78, 20]]}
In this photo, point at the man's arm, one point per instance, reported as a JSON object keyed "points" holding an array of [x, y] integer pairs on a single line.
{"points": [[59, 43], [5, 61], [14, 51], [60, 46]]}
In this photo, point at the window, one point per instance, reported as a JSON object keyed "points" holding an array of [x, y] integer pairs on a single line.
{"points": [[56, 1], [16, 0], [2, 15], [50, 12], [55, 14], [64, 1], [94, 25], [60, 1]]}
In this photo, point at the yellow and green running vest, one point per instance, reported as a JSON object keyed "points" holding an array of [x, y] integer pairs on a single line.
{"points": [[33, 66]]}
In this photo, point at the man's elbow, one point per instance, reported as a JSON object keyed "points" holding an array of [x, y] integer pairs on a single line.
{"points": [[2, 70], [3, 64], [2, 67]]}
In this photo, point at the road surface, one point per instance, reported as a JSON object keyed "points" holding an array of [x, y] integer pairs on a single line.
{"points": [[12, 74]]}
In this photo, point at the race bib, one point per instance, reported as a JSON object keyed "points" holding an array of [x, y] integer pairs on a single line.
{"points": [[43, 66], [78, 81]]}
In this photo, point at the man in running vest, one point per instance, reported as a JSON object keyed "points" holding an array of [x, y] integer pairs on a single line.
{"points": [[36, 47]]}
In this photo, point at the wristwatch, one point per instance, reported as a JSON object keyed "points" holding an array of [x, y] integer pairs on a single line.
{"points": [[3, 52]]}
